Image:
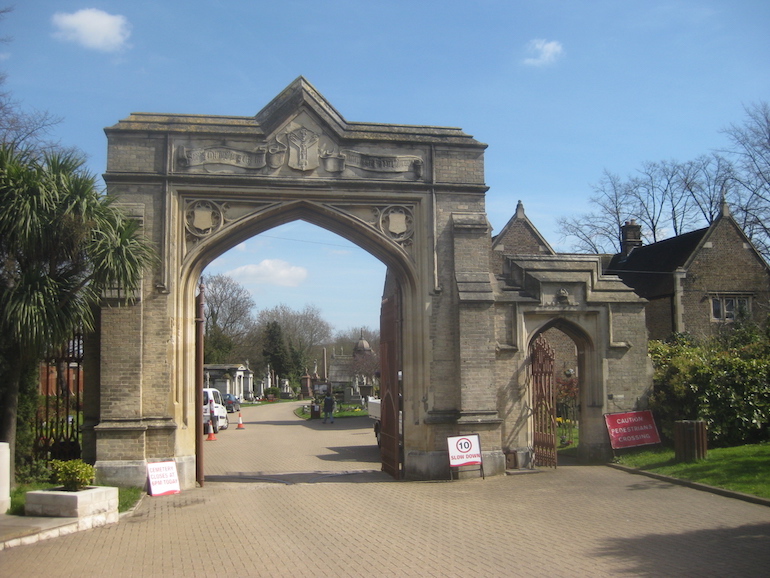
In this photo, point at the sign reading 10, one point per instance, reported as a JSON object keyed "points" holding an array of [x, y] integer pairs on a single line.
{"points": [[464, 445]]}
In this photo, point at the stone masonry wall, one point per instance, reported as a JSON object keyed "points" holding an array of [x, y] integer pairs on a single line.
{"points": [[144, 154], [660, 313], [459, 166], [629, 371], [444, 320], [728, 266]]}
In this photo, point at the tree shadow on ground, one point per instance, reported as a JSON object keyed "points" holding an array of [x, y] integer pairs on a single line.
{"points": [[742, 551], [364, 476]]}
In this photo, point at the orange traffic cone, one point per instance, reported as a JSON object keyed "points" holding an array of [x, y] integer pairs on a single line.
{"points": [[240, 422], [212, 437]]}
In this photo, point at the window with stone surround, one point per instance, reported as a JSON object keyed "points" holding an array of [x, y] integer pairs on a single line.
{"points": [[726, 308]]}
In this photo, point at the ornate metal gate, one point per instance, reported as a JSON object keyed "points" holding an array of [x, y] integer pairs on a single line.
{"points": [[543, 402], [390, 432], [60, 405]]}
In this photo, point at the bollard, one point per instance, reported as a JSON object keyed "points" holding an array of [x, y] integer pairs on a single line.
{"points": [[690, 440]]}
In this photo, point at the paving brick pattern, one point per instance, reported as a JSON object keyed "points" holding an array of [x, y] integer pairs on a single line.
{"points": [[286, 498]]}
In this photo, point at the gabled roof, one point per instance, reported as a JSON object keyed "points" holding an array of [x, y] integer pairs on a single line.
{"points": [[520, 219], [648, 268], [664, 256]]}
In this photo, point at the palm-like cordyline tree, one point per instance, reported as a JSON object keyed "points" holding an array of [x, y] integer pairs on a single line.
{"points": [[62, 245]]}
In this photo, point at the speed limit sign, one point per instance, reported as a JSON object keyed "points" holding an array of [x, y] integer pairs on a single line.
{"points": [[464, 450]]}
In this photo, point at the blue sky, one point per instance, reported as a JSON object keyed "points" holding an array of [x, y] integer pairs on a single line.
{"points": [[559, 89]]}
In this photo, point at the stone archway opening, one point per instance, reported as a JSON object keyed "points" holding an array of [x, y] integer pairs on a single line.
{"points": [[210, 247], [345, 273], [571, 352], [293, 458]]}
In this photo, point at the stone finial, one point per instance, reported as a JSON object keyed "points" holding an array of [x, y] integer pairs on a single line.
{"points": [[725, 208]]}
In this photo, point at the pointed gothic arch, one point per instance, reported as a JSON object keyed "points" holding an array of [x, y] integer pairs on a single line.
{"points": [[587, 370], [588, 358]]}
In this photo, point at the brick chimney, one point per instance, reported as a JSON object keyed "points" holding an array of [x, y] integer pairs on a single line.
{"points": [[630, 236]]}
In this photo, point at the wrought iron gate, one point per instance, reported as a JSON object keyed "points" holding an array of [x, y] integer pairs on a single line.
{"points": [[60, 406], [390, 424], [543, 402]]}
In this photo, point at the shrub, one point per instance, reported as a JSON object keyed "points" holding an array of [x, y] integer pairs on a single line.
{"points": [[31, 471], [74, 475], [724, 381], [274, 391]]}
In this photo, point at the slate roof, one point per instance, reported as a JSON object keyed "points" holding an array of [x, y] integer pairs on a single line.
{"points": [[648, 268]]}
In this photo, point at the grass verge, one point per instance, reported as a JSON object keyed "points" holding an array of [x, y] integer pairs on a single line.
{"points": [[743, 469], [343, 410]]}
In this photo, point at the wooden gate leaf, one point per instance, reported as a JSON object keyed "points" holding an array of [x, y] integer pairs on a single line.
{"points": [[390, 434]]}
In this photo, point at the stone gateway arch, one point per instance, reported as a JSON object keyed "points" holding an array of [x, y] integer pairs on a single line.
{"points": [[413, 197]]}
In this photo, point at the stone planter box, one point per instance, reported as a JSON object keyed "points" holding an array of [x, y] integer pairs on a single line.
{"points": [[93, 506]]}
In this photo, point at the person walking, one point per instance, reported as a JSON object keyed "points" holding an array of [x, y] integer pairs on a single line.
{"points": [[328, 407]]}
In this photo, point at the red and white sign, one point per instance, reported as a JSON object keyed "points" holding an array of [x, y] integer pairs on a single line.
{"points": [[163, 478], [464, 450], [631, 429]]}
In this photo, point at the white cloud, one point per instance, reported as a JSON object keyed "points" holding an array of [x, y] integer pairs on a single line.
{"points": [[93, 28], [271, 272], [544, 52]]}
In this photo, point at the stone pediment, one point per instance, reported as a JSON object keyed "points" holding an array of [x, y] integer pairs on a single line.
{"points": [[303, 135], [299, 134], [299, 96]]}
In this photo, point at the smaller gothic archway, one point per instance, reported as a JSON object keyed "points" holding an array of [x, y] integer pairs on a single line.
{"points": [[560, 361], [603, 319]]}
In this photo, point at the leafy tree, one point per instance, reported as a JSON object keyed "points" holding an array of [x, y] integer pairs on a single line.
{"points": [[274, 350], [297, 363], [217, 346], [229, 321], [306, 328], [305, 332], [724, 381], [62, 245]]}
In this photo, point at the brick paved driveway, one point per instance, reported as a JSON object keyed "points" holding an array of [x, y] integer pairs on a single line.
{"points": [[288, 498]]}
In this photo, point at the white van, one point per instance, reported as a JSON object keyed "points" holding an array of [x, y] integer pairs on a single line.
{"points": [[212, 397]]}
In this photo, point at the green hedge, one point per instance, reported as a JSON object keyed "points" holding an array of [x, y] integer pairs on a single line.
{"points": [[724, 381]]}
